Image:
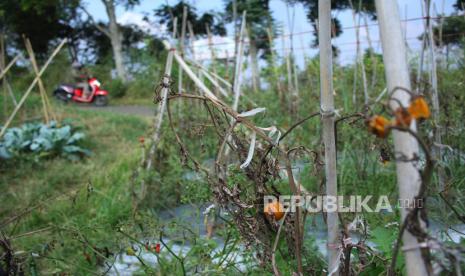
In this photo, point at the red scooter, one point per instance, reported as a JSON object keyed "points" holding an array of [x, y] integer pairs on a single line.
{"points": [[66, 93]]}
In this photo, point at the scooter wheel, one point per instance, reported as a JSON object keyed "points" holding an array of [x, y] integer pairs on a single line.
{"points": [[101, 101], [61, 96]]}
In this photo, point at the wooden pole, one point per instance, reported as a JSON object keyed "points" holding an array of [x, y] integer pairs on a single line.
{"points": [[6, 84], [48, 106], [2, 64], [236, 34], [292, 64], [181, 44], [374, 60], [238, 66], [196, 64], [190, 73], [359, 58], [12, 62], [161, 111], [212, 53], [327, 113], [191, 39], [275, 69], [214, 82], [397, 75], [162, 106], [28, 91], [423, 48], [42, 90], [253, 60], [289, 75], [305, 80], [437, 151]]}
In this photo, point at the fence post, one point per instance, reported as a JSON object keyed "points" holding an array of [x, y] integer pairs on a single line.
{"points": [[327, 113], [397, 75]]}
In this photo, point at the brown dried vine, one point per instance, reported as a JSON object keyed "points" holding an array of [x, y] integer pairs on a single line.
{"points": [[256, 229]]}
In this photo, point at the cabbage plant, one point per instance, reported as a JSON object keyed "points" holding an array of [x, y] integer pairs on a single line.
{"points": [[41, 140]]}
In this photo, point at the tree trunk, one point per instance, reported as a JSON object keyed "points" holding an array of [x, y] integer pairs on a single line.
{"points": [[397, 75], [327, 113], [116, 38]]}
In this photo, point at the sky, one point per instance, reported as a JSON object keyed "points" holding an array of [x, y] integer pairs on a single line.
{"points": [[409, 9]]}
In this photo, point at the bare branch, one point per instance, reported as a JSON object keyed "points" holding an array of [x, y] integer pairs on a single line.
{"points": [[92, 20]]}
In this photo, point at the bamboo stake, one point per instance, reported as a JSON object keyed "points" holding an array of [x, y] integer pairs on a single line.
{"points": [[28, 91], [437, 151], [405, 24], [190, 73], [191, 39], [295, 90], [441, 33], [422, 53], [198, 65], [275, 70], [327, 113], [361, 60], [397, 75], [41, 85], [302, 46], [236, 34], [2, 64], [181, 44], [296, 85], [354, 85], [12, 62], [212, 53], [238, 66], [253, 61], [374, 60], [6, 84], [160, 111], [226, 65], [289, 75], [42, 92], [214, 82], [215, 79], [175, 28], [359, 55]]}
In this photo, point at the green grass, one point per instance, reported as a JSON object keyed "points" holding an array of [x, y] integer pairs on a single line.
{"points": [[82, 202]]}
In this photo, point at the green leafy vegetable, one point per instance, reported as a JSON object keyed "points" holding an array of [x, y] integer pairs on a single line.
{"points": [[42, 140]]}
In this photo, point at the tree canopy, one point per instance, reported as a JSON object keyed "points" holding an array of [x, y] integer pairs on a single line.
{"points": [[361, 6], [167, 13], [460, 5], [40, 21], [259, 19]]}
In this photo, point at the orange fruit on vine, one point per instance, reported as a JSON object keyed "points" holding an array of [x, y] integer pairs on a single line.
{"points": [[379, 126], [419, 108], [275, 210]]}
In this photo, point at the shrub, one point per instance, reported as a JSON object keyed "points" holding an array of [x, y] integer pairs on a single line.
{"points": [[116, 88]]}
